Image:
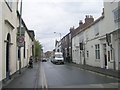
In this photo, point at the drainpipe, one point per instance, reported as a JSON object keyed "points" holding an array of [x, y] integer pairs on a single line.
{"points": [[84, 53], [114, 65], [20, 22]]}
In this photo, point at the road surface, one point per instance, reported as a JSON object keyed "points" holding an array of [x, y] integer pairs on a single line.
{"points": [[49, 75]]}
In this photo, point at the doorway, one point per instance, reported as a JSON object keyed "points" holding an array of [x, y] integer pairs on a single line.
{"points": [[8, 57], [119, 54], [105, 55]]}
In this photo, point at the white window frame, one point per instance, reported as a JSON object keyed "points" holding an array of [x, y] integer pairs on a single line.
{"points": [[116, 15], [96, 29], [97, 51]]}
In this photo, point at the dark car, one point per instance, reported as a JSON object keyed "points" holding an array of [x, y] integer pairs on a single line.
{"points": [[44, 60]]}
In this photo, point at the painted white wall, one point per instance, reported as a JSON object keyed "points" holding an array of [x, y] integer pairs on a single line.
{"points": [[0, 45], [81, 52], [99, 39], [6, 14], [11, 17], [110, 27], [116, 46], [58, 46], [105, 25], [28, 47], [109, 17], [92, 40], [75, 50], [28, 50]]}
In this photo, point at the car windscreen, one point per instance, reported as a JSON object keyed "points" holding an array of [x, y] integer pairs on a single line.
{"points": [[58, 56]]}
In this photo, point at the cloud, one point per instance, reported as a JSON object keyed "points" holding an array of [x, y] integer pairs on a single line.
{"points": [[56, 16]]}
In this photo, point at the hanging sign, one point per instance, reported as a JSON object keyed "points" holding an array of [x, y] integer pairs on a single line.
{"points": [[20, 41]]}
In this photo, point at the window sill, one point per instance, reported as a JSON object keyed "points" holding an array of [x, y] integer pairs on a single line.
{"points": [[97, 60]]}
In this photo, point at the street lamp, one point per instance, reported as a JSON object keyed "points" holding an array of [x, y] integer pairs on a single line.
{"points": [[59, 34]]}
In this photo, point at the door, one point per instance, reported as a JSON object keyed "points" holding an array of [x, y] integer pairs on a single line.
{"points": [[8, 57], [80, 57], [105, 54], [119, 54]]}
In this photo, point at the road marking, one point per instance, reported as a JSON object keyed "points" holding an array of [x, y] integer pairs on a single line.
{"points": [[37, 77], [43, 79]]}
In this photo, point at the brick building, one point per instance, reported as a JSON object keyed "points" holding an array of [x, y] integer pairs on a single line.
{"points": [[66, 47]]}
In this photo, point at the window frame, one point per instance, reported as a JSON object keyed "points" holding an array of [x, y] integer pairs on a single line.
{"points": [[87, 54], [96, 29], [116, 13], [24, 51], [97, 51]]}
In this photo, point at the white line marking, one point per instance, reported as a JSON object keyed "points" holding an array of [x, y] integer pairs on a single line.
{"points": [[43, 78]]}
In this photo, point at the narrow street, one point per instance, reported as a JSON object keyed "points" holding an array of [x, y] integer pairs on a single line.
{"points": [[65, 76], [49, 75], [48, 44]]}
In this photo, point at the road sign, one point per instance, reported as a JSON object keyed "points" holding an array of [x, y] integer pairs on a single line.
{"points": [[20, 41]]}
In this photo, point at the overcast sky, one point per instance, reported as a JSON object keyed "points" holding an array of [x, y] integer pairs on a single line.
{"points": [[48, 16]]}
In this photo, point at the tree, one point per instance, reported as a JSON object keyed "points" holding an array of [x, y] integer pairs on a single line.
{"points": [[38, 48]]}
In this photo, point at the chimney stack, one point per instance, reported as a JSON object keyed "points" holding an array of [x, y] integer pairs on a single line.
{"points": [[80, 22], [89, 19], [71, 29], [103, 12]]}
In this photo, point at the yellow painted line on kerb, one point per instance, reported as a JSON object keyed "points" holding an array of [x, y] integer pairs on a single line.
{"points": [[43, 79]]}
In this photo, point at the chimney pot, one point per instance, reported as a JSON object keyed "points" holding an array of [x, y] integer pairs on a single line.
{"points": [[103, 12], [89, 19], [80, 22], [91, 16], [71, 29]]}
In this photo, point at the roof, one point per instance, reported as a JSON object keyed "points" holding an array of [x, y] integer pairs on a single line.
{"points": [[28, 31], [83, 29], [32, 34], [66, 35]]}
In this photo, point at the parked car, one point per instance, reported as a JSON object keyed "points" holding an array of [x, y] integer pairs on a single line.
{"points": [[58, 58], [44, 60]]}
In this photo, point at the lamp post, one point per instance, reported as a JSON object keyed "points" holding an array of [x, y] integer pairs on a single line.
{"points": [[58, 33]]}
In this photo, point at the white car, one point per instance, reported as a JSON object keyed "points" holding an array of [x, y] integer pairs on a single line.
{"points": [[58, 58]]}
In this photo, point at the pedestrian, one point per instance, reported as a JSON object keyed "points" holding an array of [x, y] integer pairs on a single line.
{"points": [[31, 62]]}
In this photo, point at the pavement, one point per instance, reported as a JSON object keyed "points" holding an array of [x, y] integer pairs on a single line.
{"points": [[29, 78], [109, 72], [108, 85]]}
